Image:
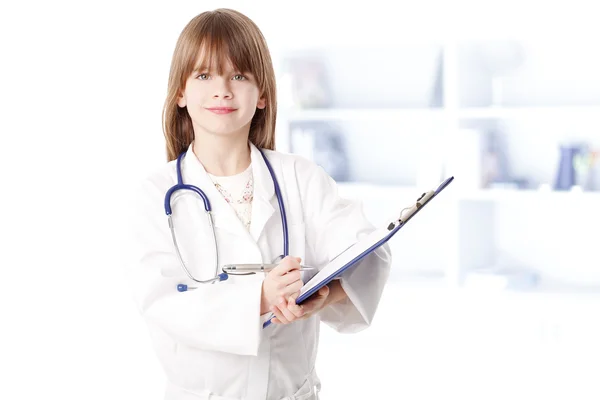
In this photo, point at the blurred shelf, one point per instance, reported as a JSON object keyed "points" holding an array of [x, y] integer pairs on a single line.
{"points": [[552, 112], [527, 195], [559, 293], [374, 190], [361, 187], [368, 114], [366, 191], [438, 282]]}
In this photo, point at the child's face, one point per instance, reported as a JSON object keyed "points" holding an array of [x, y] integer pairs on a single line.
{"points": [[221, 104]]}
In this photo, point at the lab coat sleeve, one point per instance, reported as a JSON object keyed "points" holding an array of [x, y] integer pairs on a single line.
{"points": [[334, 224], [219, 317]]}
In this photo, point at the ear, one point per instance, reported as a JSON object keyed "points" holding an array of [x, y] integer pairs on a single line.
{"points": [[181, 101], [262, 103]]}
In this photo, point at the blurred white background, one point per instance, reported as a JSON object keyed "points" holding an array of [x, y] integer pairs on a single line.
{"points": [[494, 290]]}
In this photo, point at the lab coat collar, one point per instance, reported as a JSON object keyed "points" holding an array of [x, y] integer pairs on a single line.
{"points": [[264, 190], [224, 215]]}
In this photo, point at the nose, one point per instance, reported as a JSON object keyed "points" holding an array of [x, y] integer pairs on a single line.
{"points": [[222, 89]]}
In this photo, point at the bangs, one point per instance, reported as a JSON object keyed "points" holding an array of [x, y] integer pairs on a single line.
{"points": [[221, 43]]}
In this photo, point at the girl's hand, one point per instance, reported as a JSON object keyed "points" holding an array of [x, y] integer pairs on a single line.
{"points": [[286, 312], [282, 282]]}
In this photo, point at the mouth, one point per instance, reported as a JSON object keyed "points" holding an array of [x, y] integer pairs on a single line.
{"points": [[221, 110]]}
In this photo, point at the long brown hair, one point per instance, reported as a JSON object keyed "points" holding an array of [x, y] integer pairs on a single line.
{"points": [[221, 35]]}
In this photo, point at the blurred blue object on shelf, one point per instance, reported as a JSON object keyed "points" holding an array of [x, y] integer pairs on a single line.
{"points": [[565, 176]]}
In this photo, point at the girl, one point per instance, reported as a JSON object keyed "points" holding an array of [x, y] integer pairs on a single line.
{"points": [[219, 125]]}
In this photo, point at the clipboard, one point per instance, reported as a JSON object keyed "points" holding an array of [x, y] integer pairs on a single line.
{"points": [[365, 246]]}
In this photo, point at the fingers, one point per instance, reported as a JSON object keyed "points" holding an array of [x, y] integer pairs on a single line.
{"points": [[290, 277], [288, 311], [295, 309], [316, 301], [322, 295], [279, 318], [294, 288], [324, 291], [287, 264], [288, 285], [276, 310], [284, 281]]}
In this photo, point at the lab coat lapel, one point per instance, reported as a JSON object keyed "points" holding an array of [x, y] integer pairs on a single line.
{"points": [[224, 215], [262, 208]]}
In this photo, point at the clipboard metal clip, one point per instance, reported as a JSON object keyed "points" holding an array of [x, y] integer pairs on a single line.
{"points": [[407, 212]]}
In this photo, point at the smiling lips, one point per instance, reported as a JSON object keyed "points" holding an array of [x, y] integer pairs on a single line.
{"points": [[221, 110]]}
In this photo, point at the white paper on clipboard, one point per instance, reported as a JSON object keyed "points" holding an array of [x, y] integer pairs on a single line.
{"points": [[367, 244], [344, 258]]}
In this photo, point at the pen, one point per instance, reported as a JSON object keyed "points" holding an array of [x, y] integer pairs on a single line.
{"points": [[257, 268]]}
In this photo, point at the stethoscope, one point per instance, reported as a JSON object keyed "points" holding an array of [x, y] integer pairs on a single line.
{"points": [[181, 186]]}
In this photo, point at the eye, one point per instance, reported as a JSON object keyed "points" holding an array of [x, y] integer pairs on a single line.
{"points": [[203, 77], [239, 77]]}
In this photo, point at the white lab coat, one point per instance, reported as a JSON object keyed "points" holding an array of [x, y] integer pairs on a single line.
{"points": [[210, 341]]}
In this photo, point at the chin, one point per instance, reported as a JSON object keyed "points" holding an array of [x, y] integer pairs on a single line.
{"points": [[224, 131]]}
